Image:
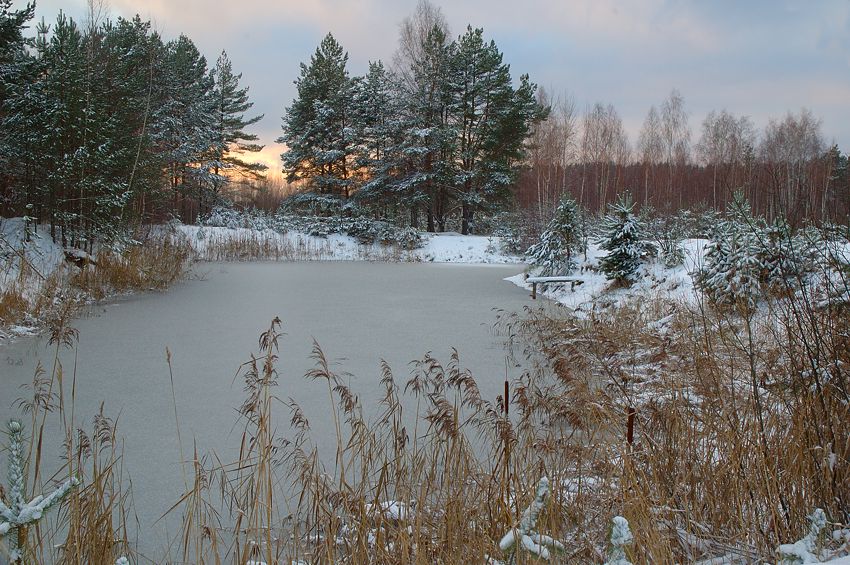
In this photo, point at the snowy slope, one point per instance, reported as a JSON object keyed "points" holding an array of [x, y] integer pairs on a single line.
{"points": [[452, 247], [40, 253]]}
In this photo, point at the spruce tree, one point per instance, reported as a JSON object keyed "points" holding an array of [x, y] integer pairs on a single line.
{"points": [[624, 242], [558, 243], [317, 128], [230, 141]]}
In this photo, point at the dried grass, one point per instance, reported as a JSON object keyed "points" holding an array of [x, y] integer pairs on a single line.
{"points": [[739, 432]]}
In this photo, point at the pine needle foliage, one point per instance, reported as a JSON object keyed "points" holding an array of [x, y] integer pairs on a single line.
{"points": [[554, 253], [623, 240]]}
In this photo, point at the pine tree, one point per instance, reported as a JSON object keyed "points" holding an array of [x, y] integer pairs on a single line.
{"points": [[318, 129], [12, 24], [132, 58], [230, 141], [376, 118], [623, 241], [422, 166], [184, 118], [57, 113], [562, 237], [20, 106], [491, 122]]}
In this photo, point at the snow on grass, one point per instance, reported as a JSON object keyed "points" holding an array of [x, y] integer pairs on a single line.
{"points": [[436, 248], [451, 247], [595, 291]]}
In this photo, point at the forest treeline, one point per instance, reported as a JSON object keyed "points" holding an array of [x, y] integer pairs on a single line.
{"points": [[442, 134], [787, 170], [106, 124]]}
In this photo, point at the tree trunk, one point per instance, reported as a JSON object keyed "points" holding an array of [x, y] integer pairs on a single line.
{"points": [[466, 215]]}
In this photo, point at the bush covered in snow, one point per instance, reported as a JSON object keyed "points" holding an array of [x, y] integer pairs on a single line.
{"points": [[668, 233], [364, 229], [250, 218], [747, 259]]}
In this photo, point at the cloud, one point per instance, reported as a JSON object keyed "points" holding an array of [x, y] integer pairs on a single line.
{"points": [[758, 58]]}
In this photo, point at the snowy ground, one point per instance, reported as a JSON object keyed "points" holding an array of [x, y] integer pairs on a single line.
{"points": [[595, 291], [25, 266]]}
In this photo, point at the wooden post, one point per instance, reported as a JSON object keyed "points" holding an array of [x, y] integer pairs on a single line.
{"points": [[534, 291], [630, 425]]}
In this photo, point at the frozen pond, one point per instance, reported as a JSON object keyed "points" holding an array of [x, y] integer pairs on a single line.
{"points": [[359, 313]]}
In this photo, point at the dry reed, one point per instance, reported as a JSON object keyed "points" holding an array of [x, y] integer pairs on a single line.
{"points": [[738, 430]]}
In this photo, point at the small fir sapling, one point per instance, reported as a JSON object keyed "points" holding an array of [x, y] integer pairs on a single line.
{"points": [[787, 258], [18, 514], [524, 535], [732, 270], [623, 240], [621, 536], [558, 243]]}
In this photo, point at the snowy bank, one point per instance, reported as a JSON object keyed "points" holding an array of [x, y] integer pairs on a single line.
{"points": [[595, 291], [293, 245], [37, 274], [38, 253]]}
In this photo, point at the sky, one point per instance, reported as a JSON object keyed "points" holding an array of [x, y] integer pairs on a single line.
{"points": [[759, 58]]}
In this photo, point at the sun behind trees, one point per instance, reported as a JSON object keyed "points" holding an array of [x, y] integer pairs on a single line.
{"points": [[445, 134], [108, 125]]}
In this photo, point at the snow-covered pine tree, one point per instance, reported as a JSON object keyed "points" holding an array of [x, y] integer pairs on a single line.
{"points": [[553, 254], [731, 272], [376, 117], [130, 58], [419, 165], [490, 121], [317, 128], [231, 142], [623, 240], [22, 125], [12, 24], [184, 117], [57, 112]]}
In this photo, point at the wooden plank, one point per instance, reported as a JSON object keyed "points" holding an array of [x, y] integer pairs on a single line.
{"points": [[551, 279], [545, 280]]}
